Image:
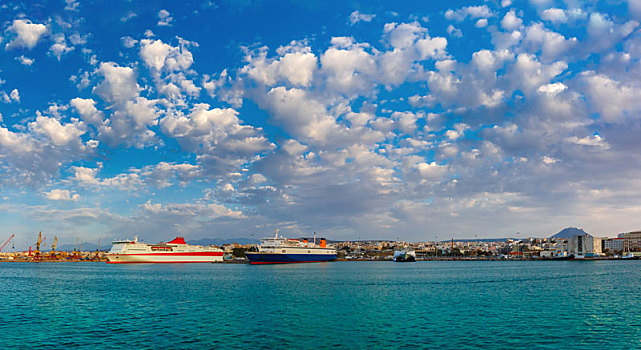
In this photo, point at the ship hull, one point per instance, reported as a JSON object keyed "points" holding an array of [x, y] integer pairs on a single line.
{"points": [[273, 258], [167, 258], [405, 258]]}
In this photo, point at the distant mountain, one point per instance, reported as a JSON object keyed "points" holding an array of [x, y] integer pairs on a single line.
{"points": [[569, 233]]}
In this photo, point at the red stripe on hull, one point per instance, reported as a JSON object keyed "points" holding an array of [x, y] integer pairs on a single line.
{"points": [[284, 262]]}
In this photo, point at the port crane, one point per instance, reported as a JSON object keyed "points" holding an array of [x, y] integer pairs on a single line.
{"points": [[53, 248], [76, 254], [6, 242], [37, 256]]}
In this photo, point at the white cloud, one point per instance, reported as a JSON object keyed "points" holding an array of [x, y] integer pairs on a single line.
{"points": [[454, 32], [189, 210], [58, 133], [15, 95], [551, 44], [158, 56], [548, 160], [88, 111], [593, 141], [481, 23], [128, 16], [469, 11], [356, 17], [554, 15], [217, 133], [164, 18], [349, 70], [528, 74], [27, 34], [71, 5], [552, 89], [128, 42], [511, 22], [119, 84], [25, 60], [60, 47], [62, 195], [296, 66], [613, 99], [431, 171]]}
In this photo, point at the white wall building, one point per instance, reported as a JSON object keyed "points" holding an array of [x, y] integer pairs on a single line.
{"points": [[585, 246], [614, 244]]}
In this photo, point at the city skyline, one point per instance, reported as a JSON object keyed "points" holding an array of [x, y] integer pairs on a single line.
{"points": [[222, 119]]}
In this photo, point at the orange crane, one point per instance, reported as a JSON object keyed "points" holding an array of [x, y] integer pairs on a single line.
{"points": [[53, 248], [6, 242], [76, 254], [37, 256]]}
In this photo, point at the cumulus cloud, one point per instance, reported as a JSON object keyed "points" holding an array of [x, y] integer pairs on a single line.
{"points": [[164, 18], [62, 195], [511, 22], [25, 60], [551, 45], [119, 83], [593, 141], [612, 99], [454, 32], [56, 132], [25, 34], [295, 65], [469, 12], [390, 133], [356, 17], [209, 211], [13, 96], [554, 15], [60, 48]]}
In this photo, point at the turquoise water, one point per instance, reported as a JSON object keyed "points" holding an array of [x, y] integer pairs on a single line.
{"points": [[565, 304]]}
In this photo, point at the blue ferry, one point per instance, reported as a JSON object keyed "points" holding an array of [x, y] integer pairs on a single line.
{"points": [[279, 250]]}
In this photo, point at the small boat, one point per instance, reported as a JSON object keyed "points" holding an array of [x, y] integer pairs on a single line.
{"points": [[404, 255]]}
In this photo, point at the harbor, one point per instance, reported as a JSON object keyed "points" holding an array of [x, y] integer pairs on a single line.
{"points": [[568, 244]]}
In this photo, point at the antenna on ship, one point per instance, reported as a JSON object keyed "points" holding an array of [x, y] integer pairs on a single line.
{"points": [[314, 238], [276, 233]]}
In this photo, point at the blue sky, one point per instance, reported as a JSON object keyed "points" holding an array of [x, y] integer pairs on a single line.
{"points": [[352, 119]]}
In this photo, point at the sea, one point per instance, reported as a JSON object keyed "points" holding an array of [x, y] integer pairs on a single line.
{"points": [[344, 305]]}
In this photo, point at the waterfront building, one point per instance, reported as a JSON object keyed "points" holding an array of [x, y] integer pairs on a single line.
{"points": [[632, 240], [585, 246], [614, 244]]}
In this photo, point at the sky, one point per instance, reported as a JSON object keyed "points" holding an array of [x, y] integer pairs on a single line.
{"points": [[416, 120]]}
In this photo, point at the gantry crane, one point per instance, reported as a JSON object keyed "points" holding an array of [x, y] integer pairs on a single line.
{"points": [[6, 242]]}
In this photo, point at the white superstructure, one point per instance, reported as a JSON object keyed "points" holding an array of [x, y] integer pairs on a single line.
{"points": [[279, 250], [174, 251]]}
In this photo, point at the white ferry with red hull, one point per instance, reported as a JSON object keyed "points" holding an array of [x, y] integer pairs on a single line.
{"points": [[174, 251]]}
